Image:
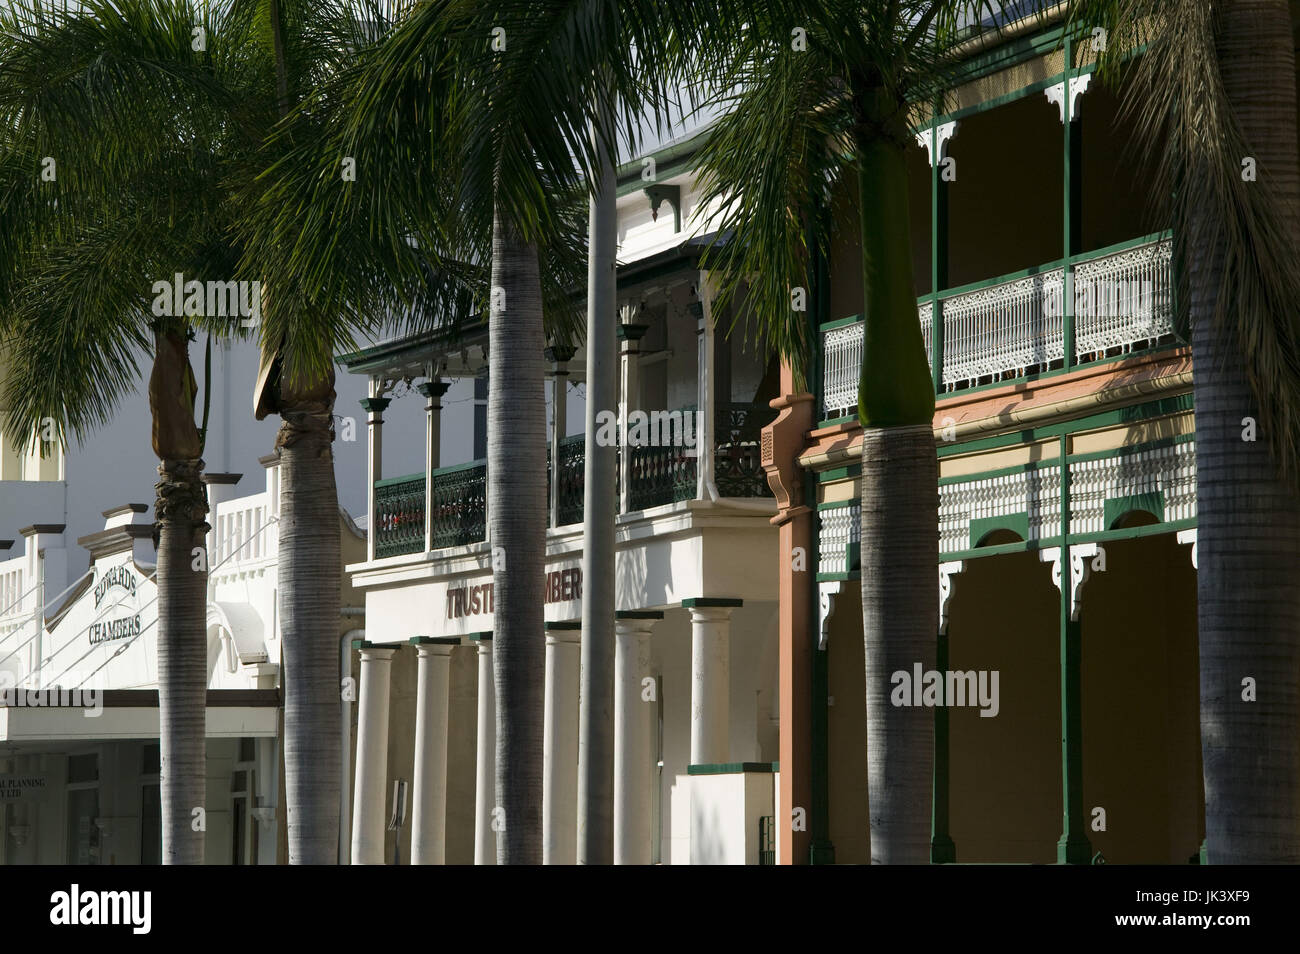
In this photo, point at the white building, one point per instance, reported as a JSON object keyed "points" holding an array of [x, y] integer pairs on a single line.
{"points": [[79, 772]]}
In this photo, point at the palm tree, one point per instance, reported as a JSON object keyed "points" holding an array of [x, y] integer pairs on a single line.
{"points": [[80, 255], [470, 130], [816, 91], [161, 132], [1216, 87]]}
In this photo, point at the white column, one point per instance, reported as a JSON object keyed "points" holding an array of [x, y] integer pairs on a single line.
{"points": [[560, 777], [560, 356], [634, 737], [374, 408], [369, 799], [485, 789], [629, 336], [429, 815], [710, 680], [433, 390]]}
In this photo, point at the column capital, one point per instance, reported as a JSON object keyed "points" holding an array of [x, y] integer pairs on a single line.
{"points": [[434, 645], [560, 354], [373, 652], [632, 332], [375, 405], [563, 631], [433, 389], [712, 602]]}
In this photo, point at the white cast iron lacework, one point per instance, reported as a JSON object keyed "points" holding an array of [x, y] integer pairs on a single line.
{"points": [[1124, 300], [1170, 470], [840, 526], [1037, 492], [843, 366], [1015, 326], [925, 313]]}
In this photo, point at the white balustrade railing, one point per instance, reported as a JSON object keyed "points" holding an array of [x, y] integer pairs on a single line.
{"points": [[1013, 326], [13, 586], [1122, 300], [242, 522], [841, 370]]}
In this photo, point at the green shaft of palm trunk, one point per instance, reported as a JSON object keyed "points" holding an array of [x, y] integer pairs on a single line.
{"points": [[900, 541], [308, 598], [182, 659], [516, 490], [1248, 534]]}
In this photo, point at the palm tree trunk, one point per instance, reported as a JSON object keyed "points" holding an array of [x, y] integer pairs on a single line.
{"points": [[516, 489], [308, 601], [899, 490], [1248, 520], [596, 726], [180, 507]]}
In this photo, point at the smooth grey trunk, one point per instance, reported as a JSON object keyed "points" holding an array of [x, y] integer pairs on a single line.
{"points": [[182, 577], [516, 490], [600, 506], [308, 605], [1248, 519], [900, 620]]}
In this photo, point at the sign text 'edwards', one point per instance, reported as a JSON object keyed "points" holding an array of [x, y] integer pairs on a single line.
{"points": [[560, 586]]}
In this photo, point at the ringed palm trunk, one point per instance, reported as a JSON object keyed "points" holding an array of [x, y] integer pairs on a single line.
{"points": [[179, 508], [1248, 536], [899, 495], [308, 599], [516, 489]]}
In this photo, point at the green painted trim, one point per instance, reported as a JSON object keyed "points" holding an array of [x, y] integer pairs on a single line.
{"points": [[638, 614], [839, 473], [457, 468], [434, 640], [1129, 414], [998, 280], [1017, 523], [366, 644], [1133, 533], [836, 505], [1132, 449], [838, 577], [1115, 507], [484, 637], [834, 421], [988, 105], [394, 481], [731, 768], [567, 624], [840, 323], [999, 550], [629, 173], [1000, 472], [707, 601]]}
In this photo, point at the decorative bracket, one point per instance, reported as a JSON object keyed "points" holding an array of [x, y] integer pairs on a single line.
{"points": [[946, 572], [1189, 536], [1056, 94], [826, 609], [943, 133], [1081, 555], [658, 194]]}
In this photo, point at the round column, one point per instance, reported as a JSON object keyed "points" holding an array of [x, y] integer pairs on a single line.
{"points": [[485, 789], [634, 738], [560, 778], [372, 757], [710, 679], [429, 798]]}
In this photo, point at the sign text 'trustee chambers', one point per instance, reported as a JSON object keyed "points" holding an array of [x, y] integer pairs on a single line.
{"points": [[560, 586]]}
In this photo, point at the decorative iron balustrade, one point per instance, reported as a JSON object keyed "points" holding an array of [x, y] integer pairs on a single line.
{"points": [[661, 475], [399, 515], [572, 475], [737, 455], [459, 505], [1122, 301]]}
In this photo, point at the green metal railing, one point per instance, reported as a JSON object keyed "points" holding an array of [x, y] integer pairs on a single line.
{"points": [[459, 505], [399, 515]]}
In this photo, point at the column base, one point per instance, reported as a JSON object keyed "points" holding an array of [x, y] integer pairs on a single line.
{"points": [[1073, 850], [821, 853], [943, 851]]}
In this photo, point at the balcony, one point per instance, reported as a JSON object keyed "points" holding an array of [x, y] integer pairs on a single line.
{"points": [[1017, 325], [659, 476]]}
